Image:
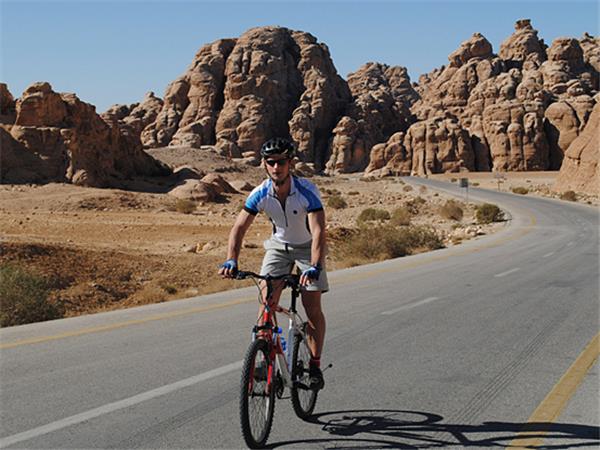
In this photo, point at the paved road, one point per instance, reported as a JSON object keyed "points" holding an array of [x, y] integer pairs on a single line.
{"points": [[454, 348]]}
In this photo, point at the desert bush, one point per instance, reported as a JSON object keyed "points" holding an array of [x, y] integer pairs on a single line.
{"points": [[407, 188], [401, 217], [414, 205], [569, 195], [185, 206], [451, 210], [24, 297], [520, 190], [475, 184], [353, 193], [453, 180], [488, 213], [336, 202], [331, 191], [422, 189], [372, 214], [386, 241]]}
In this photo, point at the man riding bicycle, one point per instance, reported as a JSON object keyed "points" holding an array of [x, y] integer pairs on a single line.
{"points": [[294, 207]]}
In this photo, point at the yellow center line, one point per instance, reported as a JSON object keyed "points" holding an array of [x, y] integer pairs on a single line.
{"points": [[556, 400], [351, 277]]}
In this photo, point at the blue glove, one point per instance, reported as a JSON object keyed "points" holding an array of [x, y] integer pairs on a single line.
{"points": [[313, 272], [230, 264]]}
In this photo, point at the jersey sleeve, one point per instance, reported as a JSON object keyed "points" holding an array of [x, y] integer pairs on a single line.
{"points": [[312, 195], [254, 201]]}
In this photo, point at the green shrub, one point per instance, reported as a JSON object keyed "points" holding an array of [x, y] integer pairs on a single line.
{"points": [[336, 202], [386, 241], [401, 217], [569, 195], [488, 213], [520, 190], [24, 298], [185, 206], [372, 214], [451, 210]]}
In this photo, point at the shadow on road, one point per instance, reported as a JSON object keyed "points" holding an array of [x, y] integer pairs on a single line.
{"points": [[368, 429]]}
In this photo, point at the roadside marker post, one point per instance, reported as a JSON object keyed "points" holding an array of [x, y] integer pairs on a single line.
{"points": [[464, 183]]}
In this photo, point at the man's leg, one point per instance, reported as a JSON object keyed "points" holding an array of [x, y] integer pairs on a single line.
{"points": [[316, 321]]}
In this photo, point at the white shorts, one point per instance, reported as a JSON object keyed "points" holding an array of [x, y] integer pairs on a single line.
{"points": [[280, 259]]}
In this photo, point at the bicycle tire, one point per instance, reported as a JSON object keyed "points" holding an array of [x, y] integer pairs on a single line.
{"points": [[304, 399], [256, 406]]}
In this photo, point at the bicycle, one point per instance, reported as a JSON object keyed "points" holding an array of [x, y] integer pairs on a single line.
{"points": [[271, 364]]}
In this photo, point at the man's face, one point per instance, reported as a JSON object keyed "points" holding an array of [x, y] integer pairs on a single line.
{"points": [[278, 168]]}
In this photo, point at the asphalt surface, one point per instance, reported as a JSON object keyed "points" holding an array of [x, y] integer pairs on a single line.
{"points": [[455, 348]]}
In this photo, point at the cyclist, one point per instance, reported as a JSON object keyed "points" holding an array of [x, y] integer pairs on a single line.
{"points": [[294, 207]]}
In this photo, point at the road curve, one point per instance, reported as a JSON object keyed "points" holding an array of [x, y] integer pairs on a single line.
{"points": [[454, 348]]}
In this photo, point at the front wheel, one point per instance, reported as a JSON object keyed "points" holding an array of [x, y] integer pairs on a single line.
{"points": [[257, 395], [304, 398]]}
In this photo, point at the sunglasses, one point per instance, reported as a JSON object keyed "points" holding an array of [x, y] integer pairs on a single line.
{"points": [[272, 162]]}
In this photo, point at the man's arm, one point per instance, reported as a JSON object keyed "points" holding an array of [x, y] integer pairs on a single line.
{"points": [[236, 237], [316, 222]]}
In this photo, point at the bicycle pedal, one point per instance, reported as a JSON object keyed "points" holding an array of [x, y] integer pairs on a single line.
{"points": [[328, 367]]}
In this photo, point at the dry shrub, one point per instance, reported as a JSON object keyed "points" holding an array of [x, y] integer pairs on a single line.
{"points": [[451, 210], [370, 214], [401, 217], [24, 298], [407, 188], [488, 213], [520, 190], [414, 205], [569, 195], [353, 193], [336, 202], [386, 241], [185, 206]]}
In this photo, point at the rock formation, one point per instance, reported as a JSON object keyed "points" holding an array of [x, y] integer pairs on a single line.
{"points": [[57, 137], [239, 92], [579, 171], [382, 96], [519, 110]]}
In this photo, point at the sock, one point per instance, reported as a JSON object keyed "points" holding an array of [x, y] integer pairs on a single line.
{"points": [[315, 362]]}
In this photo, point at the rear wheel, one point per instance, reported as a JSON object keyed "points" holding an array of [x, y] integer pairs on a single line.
{"points": [[304, 398], [257, 395]]}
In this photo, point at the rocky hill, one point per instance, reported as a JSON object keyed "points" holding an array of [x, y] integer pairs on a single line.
{"points": [[46, 136], [518, 110]]}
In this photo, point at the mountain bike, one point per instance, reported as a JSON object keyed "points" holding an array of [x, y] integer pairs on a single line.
{"points": [[271, 364]]}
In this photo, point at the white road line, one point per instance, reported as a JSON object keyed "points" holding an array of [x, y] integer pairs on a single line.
{"points": [[548, 254], [111, 407], [410, 305], [503, 274]]}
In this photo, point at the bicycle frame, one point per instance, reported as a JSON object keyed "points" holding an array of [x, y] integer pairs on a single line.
{"points": [[272, 332]]}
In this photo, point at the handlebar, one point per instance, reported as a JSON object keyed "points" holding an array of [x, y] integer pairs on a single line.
{"points": [[290, 280]]}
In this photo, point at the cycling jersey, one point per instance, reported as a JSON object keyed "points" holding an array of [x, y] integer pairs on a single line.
{"points": [[290, 218]]}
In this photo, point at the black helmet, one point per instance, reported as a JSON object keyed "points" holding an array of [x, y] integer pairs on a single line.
{"points": [[277, 146]]}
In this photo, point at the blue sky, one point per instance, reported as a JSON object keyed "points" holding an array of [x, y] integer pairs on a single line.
{"points": [[111, 52]]}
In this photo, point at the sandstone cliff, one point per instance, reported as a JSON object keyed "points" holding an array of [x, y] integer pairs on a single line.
{"points": [[57, 137], [239, 92], [518, 110], [579, 171]]}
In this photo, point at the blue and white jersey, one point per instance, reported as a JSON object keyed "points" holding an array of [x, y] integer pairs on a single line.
{"points": [[290, 218]]}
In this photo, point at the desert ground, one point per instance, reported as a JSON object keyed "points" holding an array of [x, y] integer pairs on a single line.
{"points": [[104, 249]]}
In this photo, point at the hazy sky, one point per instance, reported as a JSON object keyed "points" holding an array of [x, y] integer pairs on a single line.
{"points": [[111, 52]]}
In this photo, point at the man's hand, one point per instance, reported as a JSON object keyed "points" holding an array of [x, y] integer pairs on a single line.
{"points": [[311, 274], [228, 269]]}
